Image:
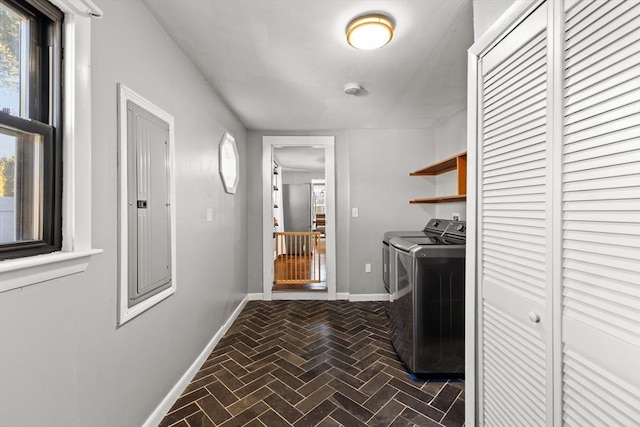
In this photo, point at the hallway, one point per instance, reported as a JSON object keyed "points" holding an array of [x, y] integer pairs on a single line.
{"points": [[308, 363]]}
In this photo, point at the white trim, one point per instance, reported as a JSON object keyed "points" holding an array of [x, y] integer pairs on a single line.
{"points": [[76, 166], [268, 143], [299, 296], [17, 273], [471, 312], [556, 151], [315, 295], [552, 179], [161, 410], [85, 8], [368, 297], [126, 313], [509, 19]]}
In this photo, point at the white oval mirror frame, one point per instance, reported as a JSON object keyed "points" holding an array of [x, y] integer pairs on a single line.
{"points": [[229, 163]]}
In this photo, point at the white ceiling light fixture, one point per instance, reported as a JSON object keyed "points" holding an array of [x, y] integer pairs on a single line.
{"points": [[369, 32], [352, 89]]}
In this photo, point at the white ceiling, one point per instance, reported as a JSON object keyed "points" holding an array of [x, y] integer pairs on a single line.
{"points": [[300, 158], [282, 64]]}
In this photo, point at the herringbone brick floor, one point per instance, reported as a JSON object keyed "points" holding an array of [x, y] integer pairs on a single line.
{"points": [[312, 363]]}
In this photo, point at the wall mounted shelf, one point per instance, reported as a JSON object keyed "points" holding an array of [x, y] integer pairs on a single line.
{"points": [[454, 163]]}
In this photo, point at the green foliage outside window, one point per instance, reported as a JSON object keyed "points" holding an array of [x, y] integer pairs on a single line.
{"points": [[9, 49], [7, 176]]}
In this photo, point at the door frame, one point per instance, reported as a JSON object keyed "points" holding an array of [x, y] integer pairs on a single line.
{"points": [[268, 144]]}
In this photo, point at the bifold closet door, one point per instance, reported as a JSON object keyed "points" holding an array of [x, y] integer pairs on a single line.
{"points": [[514, 360], [601, 215]]}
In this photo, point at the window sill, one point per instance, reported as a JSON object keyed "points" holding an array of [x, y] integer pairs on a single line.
{"points": [[18, 273]]}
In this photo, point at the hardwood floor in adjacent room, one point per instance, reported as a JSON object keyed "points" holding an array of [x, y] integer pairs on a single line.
{"points": [[312, 363], [291, 267]]}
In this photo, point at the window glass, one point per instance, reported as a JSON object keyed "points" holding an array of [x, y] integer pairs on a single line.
{"points": [[12, 26], [21, 167]]}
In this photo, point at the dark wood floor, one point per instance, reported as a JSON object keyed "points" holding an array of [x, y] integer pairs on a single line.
{"points": [[312, 363]]}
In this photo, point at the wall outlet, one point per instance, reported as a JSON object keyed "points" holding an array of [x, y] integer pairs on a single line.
{"points": [[455, 216], [355, 212], [367, 268]]}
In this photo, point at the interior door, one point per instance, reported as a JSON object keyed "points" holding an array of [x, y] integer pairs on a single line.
{"points": [[514, 271], [601, 215]]}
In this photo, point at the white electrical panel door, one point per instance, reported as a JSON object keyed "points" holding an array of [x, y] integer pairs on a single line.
{"points": [[601, 215], [514, 330], [148, 204]]}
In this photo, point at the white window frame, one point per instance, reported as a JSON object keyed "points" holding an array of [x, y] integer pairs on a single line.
{"points": [[76, 249], [126, 313]]}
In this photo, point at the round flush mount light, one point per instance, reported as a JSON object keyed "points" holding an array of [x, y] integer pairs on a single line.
{"points": [[369, 32], [352, 89]]}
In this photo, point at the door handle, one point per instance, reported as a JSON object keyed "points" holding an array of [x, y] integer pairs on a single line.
{"points": [[534, 317]]}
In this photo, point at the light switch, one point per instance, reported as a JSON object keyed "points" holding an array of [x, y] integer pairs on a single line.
{"points": [[367, 268], [354, 212], [209, 215]]}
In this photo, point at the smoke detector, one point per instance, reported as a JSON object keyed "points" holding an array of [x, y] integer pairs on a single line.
{"points": [[352, 88]]}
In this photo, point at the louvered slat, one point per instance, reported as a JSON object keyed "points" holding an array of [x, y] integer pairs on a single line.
{"points": [[492, 75], [530, 81], [585, 381], [503, 82], [512, 352], [599, 16], [576, 10], [601, 215]]}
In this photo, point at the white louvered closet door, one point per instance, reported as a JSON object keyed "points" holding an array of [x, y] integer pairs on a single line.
{"points": [[514, 331], [601, 215]]}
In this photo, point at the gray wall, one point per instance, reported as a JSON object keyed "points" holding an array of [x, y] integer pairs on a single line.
{"points": [[300, 177], [372, 174], [451, 139], [62, 360], [379, 164]]}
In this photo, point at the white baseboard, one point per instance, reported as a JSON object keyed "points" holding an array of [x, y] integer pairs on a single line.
{"points": [[362, 297], [298, 295], [368, 297], [158, 414]]}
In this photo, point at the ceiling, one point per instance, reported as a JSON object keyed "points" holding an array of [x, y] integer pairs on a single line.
{"points": [[282, 64], [300, 158]]}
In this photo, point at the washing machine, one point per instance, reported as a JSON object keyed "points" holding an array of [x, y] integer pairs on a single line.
{"points": [[427, 313]]}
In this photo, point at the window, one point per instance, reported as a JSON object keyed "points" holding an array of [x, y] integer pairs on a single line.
{"points": [[30, 120]]}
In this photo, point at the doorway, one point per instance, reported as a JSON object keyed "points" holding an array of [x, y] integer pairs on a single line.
{"points": [[298, 217]]}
